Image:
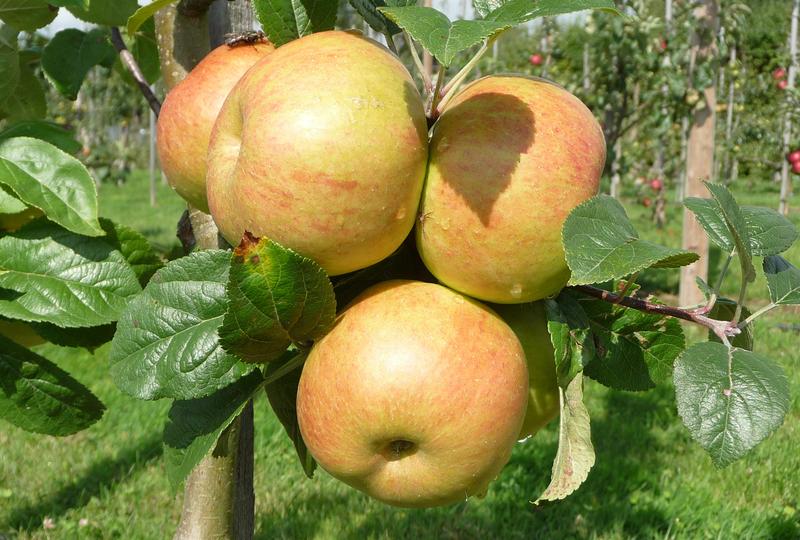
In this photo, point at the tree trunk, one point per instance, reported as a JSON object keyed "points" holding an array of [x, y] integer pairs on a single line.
{"points": [[218, 499], [699, 155], [587, 82], [786, 176]]}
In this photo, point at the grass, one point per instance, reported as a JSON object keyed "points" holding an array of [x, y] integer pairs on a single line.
{"points": [[650, 480]]}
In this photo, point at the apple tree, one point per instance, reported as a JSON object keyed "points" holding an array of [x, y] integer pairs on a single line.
{"points": [[370, 257]]}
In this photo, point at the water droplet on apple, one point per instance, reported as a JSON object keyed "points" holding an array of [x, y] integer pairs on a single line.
{"points": [[401, 214], [516, 291]]}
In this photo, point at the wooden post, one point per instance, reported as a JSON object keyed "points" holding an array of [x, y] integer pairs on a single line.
{"points": [[699, 154]]}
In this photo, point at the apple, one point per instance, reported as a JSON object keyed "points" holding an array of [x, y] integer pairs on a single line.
{"points": [[529, 323], [511, 156], [662, 45], [783, 84], [536, 59], [656, 184], [647, 202], [778, 73], [188, 114], [12, 222], [793, 156], [796, 167], [416, 397], [20, 333], [321, 146]]}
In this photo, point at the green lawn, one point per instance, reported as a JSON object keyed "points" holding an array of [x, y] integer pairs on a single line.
{"points": [[650, 480]]}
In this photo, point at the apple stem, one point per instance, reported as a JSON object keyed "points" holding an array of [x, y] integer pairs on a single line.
{"points": [[452, 87], [437, 93], [723, 329], [130, 63], [426, 81], [757, 314], [390, 42]]}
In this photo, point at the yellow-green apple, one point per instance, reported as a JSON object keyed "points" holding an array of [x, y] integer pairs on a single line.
{"points": [[416, 396], [20, 333], [529, 323], [510, 157], [188, 114], [321, 147]]}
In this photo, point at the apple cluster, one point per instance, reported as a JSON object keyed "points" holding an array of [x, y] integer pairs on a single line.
{"points": [[420, 391], [779, 75], [793, 158]]}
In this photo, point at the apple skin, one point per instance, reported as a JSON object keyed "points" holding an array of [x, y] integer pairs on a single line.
{"points": [[415, 362], [188, 114], [529, 323], [793, 156], [20, 333], [796, 167], [322, 147], [778, 73], [510, 158]]}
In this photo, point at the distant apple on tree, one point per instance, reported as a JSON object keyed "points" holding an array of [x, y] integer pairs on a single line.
{"points": [[536, 59], [783, 84], [778, 73]]}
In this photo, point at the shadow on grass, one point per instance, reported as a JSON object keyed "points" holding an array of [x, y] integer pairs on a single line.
{"points": [[101, 475], [629, 463]]}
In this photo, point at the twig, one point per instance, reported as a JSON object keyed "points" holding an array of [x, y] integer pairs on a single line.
{"points": [[723, 329], [130, 63]]}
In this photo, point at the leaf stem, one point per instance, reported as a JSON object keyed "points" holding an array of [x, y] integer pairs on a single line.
{"points": [[757, 314], [286, 368], [418, 62], [437, 93], [715, 294], [455, 83], [740, 300]]}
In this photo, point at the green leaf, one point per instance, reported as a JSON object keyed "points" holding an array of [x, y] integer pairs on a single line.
{"points": [[575, 456], [571, 335], [438, 35], [783, 280], [10, 204], [28, 101], [45, 131], [730, 399], [144, 13], [282, 395], [368, 9], [484, 7], [636, 350], [135, 248], [166, 343], [105, 12], [9, 61], [286, 20], [194, 426], [69, 56], [27, 15], [520, 11], [36, 395], [48, 274], [724, 309], [601, 244], [276, 297], [43, 176], [736, 224], [768, 231]]}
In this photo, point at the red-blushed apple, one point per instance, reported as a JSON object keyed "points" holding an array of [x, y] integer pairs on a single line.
{"points": [[778, 73], [511, 157], [536, 59], [188, 114], [647, 202], [794, 156], [529, 323], [796, 167], [321, 147], [783, 84], [656, 184], [416, 397]]}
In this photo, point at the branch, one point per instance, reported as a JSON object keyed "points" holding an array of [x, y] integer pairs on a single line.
{"points": [[723, 329], [130, 63]]}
